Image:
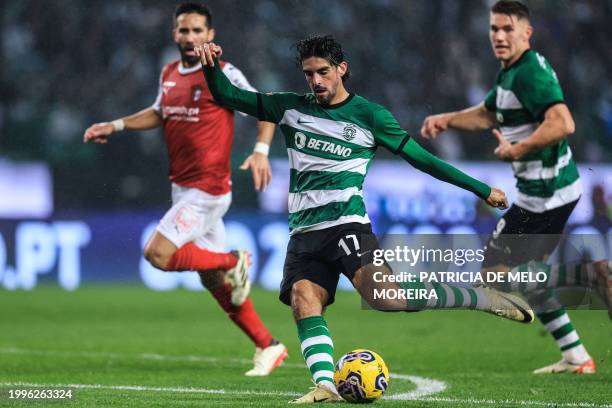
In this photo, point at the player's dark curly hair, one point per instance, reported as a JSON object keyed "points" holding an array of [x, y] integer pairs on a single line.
{"points": [[191, 7], [321, 46], [511, 8]]}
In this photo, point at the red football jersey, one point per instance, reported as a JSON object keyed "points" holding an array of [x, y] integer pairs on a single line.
{"points": [[198, 132]]}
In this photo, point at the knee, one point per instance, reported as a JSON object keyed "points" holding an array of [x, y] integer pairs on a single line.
{"points": [[306, 300], [299, 296], [156, 257]]}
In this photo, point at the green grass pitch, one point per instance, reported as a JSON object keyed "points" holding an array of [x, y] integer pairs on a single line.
{"points": [[128, 346]]}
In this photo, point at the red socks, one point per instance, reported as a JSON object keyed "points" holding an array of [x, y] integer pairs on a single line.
{"points": [[244, 316], [190, 257]]}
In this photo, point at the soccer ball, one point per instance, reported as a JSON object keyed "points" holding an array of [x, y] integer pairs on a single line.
{"points": [[361, 376]]}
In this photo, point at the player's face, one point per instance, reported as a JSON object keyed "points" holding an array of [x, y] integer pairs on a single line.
{"points": [[324, 79], [191, 30], [509, 37]]}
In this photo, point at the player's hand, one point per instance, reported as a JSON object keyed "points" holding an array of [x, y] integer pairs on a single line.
{"points": [[505, 150], [98, 132], [208, 52], [434, 125], [260, 168], [497, 199]]}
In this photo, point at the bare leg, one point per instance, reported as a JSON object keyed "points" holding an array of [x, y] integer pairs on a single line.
{"points": [[159, 251]]}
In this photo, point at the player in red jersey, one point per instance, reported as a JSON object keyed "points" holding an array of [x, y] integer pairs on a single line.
{"points": [[198, 135]]}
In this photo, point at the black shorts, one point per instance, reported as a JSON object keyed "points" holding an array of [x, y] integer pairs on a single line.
{"points": [[509, 245], [321, 256]]}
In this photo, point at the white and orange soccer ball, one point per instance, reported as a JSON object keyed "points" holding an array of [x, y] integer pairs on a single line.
{"points": [[361, 376]]}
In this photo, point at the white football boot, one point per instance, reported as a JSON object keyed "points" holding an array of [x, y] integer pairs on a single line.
{"points": [[564, 366], [509, 306], [318, 393], [267, 359], [238, 277]]}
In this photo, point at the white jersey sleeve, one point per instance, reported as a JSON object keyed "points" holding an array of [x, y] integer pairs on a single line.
{"points": [[157, 104]]}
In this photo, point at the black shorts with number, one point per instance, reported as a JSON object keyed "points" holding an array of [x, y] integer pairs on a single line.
{"points": [[321, 256], [510, 243]]}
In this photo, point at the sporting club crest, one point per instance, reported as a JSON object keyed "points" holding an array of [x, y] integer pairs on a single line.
{"points": [[349, 132]]}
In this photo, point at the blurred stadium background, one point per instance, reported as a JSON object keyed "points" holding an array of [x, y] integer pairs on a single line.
{"points": [[75, 213]]}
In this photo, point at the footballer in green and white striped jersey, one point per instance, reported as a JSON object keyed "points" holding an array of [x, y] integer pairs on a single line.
{"points": [[330, 150], [526, 103], [331, 137], [523, 92]]}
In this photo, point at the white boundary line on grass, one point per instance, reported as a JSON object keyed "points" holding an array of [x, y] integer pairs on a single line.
{"points": [[186, 390], [425, 387], [291, 394]]}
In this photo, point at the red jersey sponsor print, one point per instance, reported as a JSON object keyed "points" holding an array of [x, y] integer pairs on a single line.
{"points": [[198, 132]]}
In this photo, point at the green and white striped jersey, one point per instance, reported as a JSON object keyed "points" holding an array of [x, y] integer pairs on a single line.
{"points": [[330, 150], [522, 93]]}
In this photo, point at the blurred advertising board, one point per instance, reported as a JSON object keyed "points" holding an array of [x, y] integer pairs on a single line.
{"points": [[76, 248]]}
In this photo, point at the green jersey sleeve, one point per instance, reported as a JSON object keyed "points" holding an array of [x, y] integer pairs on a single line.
{"points": [[266, 107], [421, 159], [490, 101], [387, 132], [272, 106], [227, 94], [537, 88]]}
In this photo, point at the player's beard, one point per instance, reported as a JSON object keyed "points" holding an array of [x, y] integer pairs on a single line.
{"points": [[188, 60], [324, 99]]}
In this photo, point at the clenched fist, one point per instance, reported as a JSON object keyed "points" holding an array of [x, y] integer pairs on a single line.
{"points": [[497, 199]]}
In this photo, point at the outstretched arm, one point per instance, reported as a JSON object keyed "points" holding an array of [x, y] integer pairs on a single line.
{"points": [[100, 132], [391, 135], [420, 158], [224, 92], [471, 119]]}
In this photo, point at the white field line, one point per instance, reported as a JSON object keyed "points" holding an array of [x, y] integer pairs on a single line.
{"points": [[187, 390], [425, 386], [470, 401]]}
